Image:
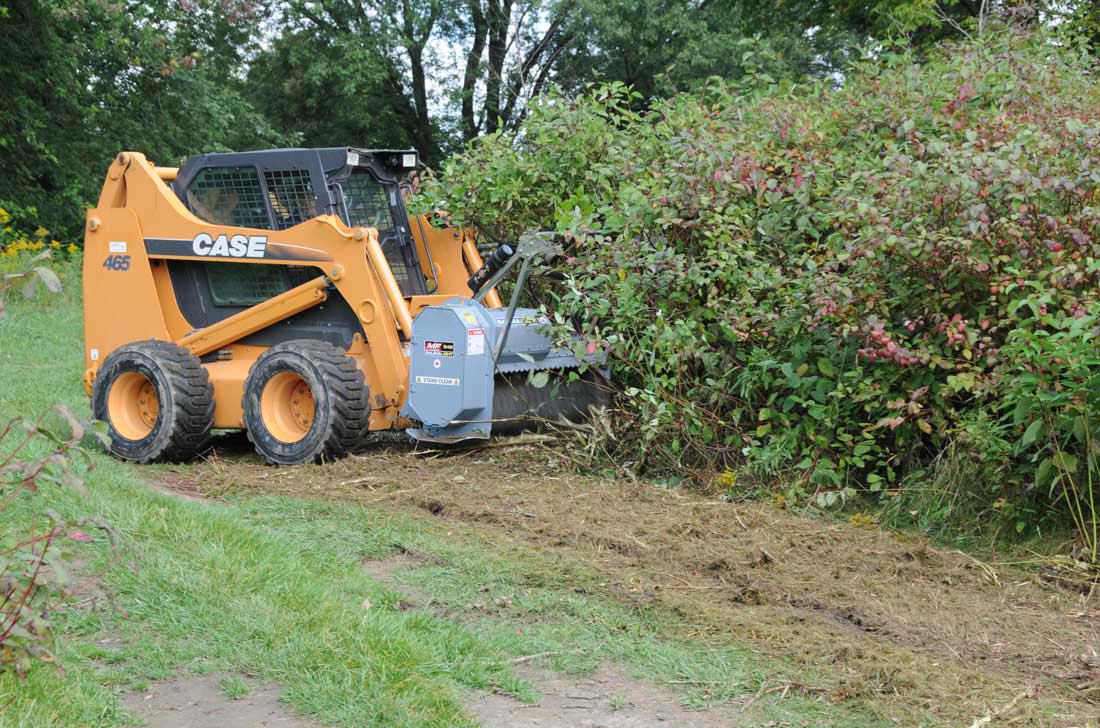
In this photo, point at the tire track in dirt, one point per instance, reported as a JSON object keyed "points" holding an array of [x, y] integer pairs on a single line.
{"points": [[913, 630], [606, 699]]}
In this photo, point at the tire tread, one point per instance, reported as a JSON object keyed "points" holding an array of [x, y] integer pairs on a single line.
{"points": [[349, 395], [192, 397]]}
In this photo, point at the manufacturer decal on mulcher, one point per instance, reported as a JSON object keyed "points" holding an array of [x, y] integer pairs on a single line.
{"points": [[229, 246], [439, 348]]}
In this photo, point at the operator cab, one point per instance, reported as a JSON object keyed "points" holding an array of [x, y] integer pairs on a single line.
{"points": [[278, 189]]}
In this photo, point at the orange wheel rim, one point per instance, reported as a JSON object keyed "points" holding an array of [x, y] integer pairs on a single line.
{"points": [[133, 406], [287, 407]]}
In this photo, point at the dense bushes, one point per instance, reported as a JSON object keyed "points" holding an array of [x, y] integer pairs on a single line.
{"points": [[891, 282]]}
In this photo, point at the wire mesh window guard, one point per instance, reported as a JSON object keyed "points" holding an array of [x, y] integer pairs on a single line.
{"points": [[228, 196], [368, 205], [291, 196]]}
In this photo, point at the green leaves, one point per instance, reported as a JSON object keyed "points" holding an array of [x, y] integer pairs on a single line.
{"points": [[38, 454], [855, 285], [1064, 462], [1031, 434]]}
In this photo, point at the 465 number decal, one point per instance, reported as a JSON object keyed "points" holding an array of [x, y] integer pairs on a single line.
{"points": [[117, 262]]}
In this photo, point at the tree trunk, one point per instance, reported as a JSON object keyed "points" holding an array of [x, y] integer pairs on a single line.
{"points": [[423, 134], [499, 18], [416, 36], [473, 62]]}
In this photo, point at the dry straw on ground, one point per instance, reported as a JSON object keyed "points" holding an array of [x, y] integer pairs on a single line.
{"points": [[914, 630]]}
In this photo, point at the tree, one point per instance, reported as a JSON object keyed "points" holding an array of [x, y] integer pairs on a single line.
{"points": [[510, 51], [86, 79], [513, 49], [655, 46], [379, 27], [331, 90]]}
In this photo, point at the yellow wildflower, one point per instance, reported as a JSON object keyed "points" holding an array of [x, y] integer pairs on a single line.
{"points": [[55, 244], [72, 248], [861, 520], [5, 216], [727, 480], [41, 232]]}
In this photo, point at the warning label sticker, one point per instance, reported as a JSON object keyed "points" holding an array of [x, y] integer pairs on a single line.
{"points": [[439, 348], [475, 342], [444, 381]]}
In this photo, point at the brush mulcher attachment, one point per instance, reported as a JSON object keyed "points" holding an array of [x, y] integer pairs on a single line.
{"points": [[288, 293]]}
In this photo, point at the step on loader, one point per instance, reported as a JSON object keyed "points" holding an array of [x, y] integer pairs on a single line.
{"points": [[287, 293]]}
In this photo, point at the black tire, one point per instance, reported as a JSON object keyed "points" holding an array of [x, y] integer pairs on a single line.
{"points": [[140, 373], [340, 414]]}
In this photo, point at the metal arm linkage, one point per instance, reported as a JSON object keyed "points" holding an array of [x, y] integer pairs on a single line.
{"points": [[530, 246]]}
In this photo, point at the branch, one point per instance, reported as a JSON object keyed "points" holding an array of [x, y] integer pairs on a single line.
{"points": [[530, 61], [473, 61], [544, 73], [944, 17]]}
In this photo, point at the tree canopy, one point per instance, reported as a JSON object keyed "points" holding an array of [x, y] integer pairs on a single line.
{"points": [[87, 78]]}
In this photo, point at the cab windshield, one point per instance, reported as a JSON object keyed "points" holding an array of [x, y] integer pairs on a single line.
{"points": [[369, 202]]}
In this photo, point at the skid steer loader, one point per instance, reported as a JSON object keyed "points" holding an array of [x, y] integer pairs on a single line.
{"points": [[288, 293]]}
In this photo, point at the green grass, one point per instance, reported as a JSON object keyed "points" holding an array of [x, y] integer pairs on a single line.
{"points": [[531, 603], [234, 687], [202, 590], [273, 588]]}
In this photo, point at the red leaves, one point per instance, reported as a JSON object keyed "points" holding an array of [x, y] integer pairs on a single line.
{"points": [[966, 92], [881, 346]]}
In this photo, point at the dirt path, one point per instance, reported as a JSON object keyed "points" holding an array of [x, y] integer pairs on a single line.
{"points": [[911, 629], [194, 702], [606, 699]]}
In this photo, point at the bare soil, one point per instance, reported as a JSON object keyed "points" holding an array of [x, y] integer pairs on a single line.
{"points": [[606, 699], [386, 569], [914, 631], [199, 702]]}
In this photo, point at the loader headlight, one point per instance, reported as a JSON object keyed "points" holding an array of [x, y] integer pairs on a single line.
{"points": [[402, 161]]}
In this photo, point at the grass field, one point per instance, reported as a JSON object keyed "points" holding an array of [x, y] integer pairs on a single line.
{"points": [[273, 588]]}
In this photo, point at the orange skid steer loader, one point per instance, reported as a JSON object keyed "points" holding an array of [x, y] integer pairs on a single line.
{"points": [[288, 293]]}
